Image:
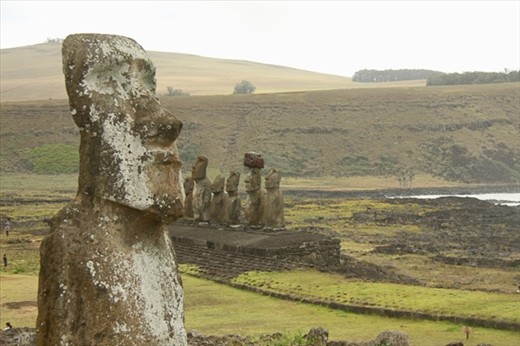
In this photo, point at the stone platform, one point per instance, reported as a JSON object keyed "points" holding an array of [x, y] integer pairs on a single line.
{"points": [[294, 246]]}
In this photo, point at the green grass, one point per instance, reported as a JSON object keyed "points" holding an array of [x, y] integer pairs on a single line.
{"points": [[36, 186], [216, 309], [331, 287]]}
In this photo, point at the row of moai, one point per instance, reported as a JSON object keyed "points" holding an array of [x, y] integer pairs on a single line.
{"points": [[219, 202]]}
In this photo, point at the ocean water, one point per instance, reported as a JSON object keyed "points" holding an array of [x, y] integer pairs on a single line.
{"points": [[509, 198]]}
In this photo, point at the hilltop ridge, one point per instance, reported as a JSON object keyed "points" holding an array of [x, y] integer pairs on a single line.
{"points": [[35, 73]]}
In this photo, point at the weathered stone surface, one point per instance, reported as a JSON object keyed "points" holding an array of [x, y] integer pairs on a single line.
{"points": [[233, 212], [253, 160], [254, 206], [273, 203], [201, 190], [188, 201], [392, 337], [18, 337], [108, 269], [218, 206], [317, 336]]}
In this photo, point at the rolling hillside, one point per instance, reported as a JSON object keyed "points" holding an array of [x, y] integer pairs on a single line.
{"points": [[34, 73], [459, 133]]}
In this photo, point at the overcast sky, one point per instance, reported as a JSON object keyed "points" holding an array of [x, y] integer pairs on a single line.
{"points": [[336, 37]]}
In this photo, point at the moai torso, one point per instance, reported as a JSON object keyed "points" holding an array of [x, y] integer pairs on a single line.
{"points": [[254, 206], [273, 202], [188, 201], [217, 208], [233, 208], [201, 190]]}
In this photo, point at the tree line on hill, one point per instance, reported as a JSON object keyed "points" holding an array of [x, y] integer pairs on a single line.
{"points": [[435, 77], [375, 76], [474, 78]]}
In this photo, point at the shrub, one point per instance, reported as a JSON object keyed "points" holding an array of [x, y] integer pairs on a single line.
{"points": [[244, 87]]}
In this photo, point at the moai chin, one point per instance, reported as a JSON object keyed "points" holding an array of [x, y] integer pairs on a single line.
{"points": [[201, 190], [217, 207], [254, 206], [233, 203], [108, 269], [273, 202], [188, 192]]}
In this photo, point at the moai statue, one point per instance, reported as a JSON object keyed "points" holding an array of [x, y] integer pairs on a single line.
{"points": [[233, 210], [254, 208], [188, 201], [201, 190], [217, 207], [108, 269], [273, 200]]}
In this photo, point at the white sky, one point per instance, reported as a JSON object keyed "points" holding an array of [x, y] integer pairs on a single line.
{"points": [[336, 37]]}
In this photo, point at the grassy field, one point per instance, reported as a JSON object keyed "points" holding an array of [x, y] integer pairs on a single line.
{"points": [[216, 309], [337, 288], [435, 135]]}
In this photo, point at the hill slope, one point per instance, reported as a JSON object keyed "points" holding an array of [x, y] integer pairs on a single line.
{"points": [[464, 133], [34, 73]]}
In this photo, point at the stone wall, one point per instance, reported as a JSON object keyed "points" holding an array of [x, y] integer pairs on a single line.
{"points": [[303, 247]]}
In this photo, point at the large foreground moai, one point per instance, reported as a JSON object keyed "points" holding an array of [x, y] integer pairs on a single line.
{"points": [[108, 272], [254, 207], [201, 190], [273, 201], [233, 208]]}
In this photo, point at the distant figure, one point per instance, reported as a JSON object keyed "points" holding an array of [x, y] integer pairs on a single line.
{"points": [[467, 330], [5, 261], [7, 227], [8, 326]]}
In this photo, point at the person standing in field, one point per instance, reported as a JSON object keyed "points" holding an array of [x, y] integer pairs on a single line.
{"points": [[7, 227], [5, 262]]}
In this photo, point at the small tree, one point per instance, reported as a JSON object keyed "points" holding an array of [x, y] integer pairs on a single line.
{"points": [[244, 87], [175, 92]]}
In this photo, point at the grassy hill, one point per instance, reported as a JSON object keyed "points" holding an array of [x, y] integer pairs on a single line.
{"points": [[460, 133], [34, 73]]}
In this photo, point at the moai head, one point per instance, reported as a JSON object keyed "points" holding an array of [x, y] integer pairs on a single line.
{"points": [[218, 184], [253, 180], [198, 171], [188, 185], [272, 180], [232, 182], [128, 145]]}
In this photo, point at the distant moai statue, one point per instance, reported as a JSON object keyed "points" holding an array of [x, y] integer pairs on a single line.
{"points": [[273, 201], [188, 200], [201, 190], [233, 210], [217, 207], [108, 272], [254, 208]]}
